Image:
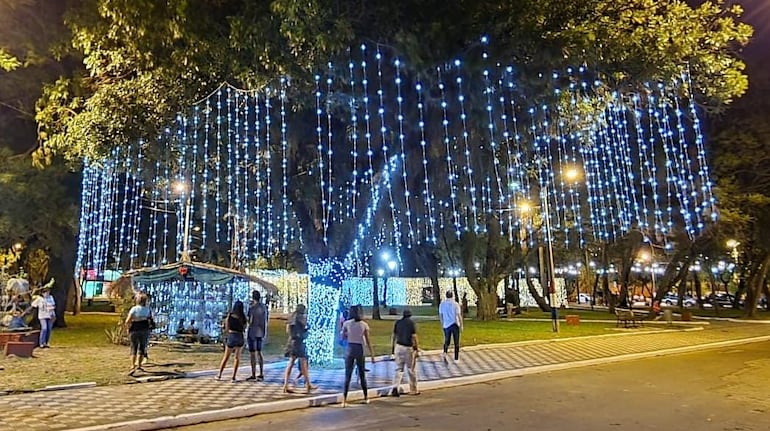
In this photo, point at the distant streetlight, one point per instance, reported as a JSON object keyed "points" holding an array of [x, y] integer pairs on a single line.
{"points": [[572, 174], [647, 257]]}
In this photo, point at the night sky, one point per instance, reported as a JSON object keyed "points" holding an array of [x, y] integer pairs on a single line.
{"points": [[757, 13]]}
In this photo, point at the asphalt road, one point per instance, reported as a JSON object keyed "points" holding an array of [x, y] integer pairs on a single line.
{"points": [[726, 389]]}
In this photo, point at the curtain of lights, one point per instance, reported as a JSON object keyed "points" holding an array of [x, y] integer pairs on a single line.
{"points": [[394, 158]]}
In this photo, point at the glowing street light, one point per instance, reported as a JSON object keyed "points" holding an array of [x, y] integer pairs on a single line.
{"points": [[572, 174], [647, 257]]}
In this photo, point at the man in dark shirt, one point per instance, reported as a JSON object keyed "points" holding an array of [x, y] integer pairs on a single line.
{"points": [[405, 348]]}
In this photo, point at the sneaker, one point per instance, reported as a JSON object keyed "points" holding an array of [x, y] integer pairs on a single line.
{"points": [[260, 378], [366, 400], [344, 404], [443, 357], [217, 378], [250, 378], [414, 393], [395, 393], [234, 381]]}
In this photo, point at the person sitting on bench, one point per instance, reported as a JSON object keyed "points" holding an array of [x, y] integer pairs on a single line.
{"points": [[180, 329]]}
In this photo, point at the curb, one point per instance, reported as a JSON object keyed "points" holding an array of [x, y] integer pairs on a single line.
{"points": [[321, 400]]}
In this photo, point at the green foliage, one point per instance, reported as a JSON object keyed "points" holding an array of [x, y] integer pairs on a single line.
{"points": [[7, 61], [148, 60], [39, 208]]}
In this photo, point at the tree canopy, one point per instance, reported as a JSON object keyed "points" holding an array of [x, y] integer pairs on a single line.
{"points": [[145, 61]]}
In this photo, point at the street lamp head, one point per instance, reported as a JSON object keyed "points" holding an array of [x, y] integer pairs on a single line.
{"points": [[385, 255], [391, 265], [179, 187], [645, 256], [525, 207], [380, 272], [731, 243], [572, 173], [17, 247]]}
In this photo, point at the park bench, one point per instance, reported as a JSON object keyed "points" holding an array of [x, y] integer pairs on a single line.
{"points": [[627, 317]]}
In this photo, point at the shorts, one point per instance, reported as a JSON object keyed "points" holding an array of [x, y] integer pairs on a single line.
{"points": [[139, 342], [234, 339], [254, 343]]}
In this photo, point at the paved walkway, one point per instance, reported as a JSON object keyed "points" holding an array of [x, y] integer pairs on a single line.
{"points": [[98, 407]]}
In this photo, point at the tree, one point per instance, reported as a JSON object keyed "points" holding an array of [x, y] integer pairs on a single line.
{"points": [[741, 145], [40, 211], [148, 61]]}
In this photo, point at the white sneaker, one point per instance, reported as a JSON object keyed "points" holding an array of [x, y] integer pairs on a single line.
{"points": [[443, 357]]}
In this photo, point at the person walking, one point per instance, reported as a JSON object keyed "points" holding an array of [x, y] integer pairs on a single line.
{"points": [[404, 347], [356, 332], [138, 323], [235, 324], [46, 314], [452, 321], [296, 328], [257, 316]]}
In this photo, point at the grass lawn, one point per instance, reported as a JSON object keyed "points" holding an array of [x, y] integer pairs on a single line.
{"points": [[81, 352]]}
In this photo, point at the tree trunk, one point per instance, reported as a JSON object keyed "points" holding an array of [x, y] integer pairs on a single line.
{"points": [[436, 290], [375, 300], [517, 295], [539, 299], [385, 292], [696, 286], [595, 289], [326, 277], [487, 306], [755, 285]]}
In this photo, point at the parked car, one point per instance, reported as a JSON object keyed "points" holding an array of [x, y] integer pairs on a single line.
{"points": [[584, 298], [722, 299], [672, 299]]}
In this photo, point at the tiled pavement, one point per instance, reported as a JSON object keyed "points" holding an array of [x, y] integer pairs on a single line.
{"points": [[77, 408]]}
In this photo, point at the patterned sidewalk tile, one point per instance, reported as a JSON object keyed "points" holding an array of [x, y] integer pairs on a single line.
{"points": [[84, 407]]}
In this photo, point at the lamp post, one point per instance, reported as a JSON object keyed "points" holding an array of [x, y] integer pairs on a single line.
{"points": [[182, 189]]}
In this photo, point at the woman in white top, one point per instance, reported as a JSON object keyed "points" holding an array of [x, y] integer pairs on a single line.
{"points": [[138, 323], [46, 313], [356, 332]]}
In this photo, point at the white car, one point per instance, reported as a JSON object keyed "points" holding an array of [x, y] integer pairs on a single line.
{"points": [[673, 299], [584, 298]]}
